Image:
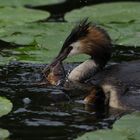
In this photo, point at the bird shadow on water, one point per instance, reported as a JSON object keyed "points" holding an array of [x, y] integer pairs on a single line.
{"points": [[46, 112]]}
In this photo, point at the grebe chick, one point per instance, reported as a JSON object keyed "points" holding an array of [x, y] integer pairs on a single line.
{"points": [[86, 38], [94, 41]]}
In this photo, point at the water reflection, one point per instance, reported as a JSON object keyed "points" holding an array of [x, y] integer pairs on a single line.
{"points": [[44, 112]]}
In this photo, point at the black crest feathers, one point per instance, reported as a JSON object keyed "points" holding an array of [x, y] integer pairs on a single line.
{"points": [[79, 31]]}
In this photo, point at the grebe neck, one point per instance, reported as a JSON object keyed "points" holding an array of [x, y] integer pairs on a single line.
{"points": [[83, 71]]}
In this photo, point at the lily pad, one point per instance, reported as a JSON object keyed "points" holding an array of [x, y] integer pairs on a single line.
{"points": [[127, 34], [129, 124], [109, 12], [4, 134], [5, 106], [19, 15], [126, 128], [121, 19], [24, 2], [43, 41]]}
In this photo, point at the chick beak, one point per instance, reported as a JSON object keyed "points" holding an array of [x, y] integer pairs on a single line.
{"points": [[61, 56]]}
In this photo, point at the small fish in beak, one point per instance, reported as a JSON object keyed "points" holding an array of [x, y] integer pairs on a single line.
{"points": [[57, 60], [56, 74]]}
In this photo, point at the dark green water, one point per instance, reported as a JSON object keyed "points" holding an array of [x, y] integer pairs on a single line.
{"points": [[44, 112]]}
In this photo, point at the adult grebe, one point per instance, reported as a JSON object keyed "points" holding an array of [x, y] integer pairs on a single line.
{"points": [[94, 41], [88, 39]]}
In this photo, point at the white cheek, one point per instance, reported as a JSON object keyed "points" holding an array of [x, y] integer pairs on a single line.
{"points": [[76, 48]]}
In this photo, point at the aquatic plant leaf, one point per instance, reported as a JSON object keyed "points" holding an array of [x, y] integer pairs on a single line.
{"points": [[49, 38], [124, 34], [121, 20], [20, 15], [129, 124], [5, 106], [125, 128], [119, 12], [41, 41], [4, 134], [103, 135], [24, 2]]}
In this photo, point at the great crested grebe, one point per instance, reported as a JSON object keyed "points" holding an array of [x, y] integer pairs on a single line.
{"points": [[88, 39], [94, 41]]}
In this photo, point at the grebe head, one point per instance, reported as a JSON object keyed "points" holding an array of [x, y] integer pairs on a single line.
{"points": [[89, 39]]}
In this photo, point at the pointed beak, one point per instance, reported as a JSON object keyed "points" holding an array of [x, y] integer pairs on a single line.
{"points": [[61, 56]]}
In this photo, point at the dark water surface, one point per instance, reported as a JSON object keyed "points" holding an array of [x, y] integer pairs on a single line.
{"points": [[44, 112], [47, 112]]}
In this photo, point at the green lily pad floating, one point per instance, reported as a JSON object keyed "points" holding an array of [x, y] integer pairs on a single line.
{"points": [[27, 33], [122, 20], [5, 106], [127, 34], [127, 128], [4, 134], [43, 41], [109, 12], [129, 125], [19, 15], [24, 2]]}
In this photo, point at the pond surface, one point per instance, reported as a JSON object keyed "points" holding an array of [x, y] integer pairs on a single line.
{"points": [[50, 113], [44, 112]]}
